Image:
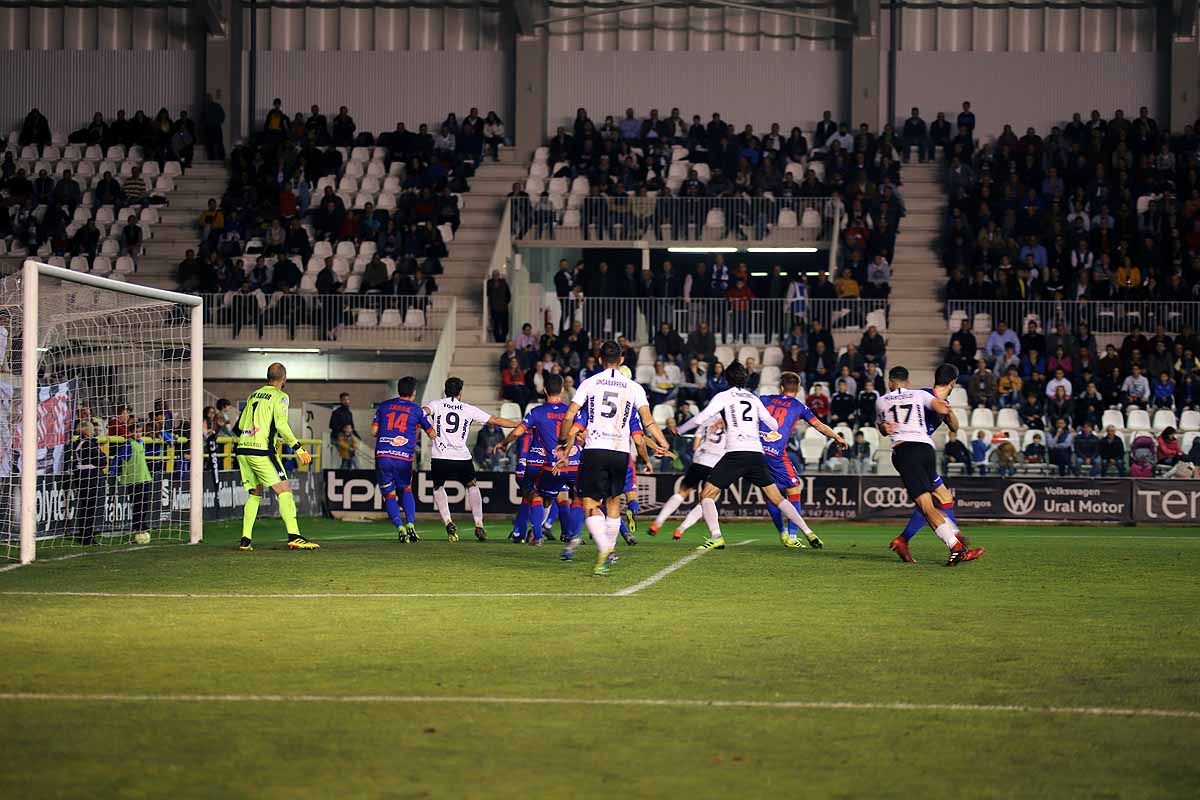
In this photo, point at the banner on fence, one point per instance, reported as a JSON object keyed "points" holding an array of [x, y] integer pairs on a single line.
{"points": [[1166, 501], [1078, 499]]}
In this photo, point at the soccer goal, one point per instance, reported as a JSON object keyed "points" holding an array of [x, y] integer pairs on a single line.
{"points": [[100, 387]]}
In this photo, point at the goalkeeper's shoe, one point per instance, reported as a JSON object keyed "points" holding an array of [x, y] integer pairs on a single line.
{"points": [[653, 529], [814, 541], [794, 543], [899, 546], [452, 531], [713, 544], [480, 533], [631, 523], [604, 563], [297, 542], [411, 530], [246, 546]]}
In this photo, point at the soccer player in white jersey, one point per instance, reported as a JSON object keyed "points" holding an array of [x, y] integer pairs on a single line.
{"points": [[903, 416], [611, 400], [741, 412], [451, 419], [708, 447]]}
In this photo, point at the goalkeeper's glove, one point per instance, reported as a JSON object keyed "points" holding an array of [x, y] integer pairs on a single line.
{"points": [[303, 456]]}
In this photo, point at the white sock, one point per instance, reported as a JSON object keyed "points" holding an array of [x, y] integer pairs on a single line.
{"points": [[613, 529], [792, 515], [708, 508], [475, 500], [668, 508], [443, 504], [597, 526], [692, 518], [947, 533]]}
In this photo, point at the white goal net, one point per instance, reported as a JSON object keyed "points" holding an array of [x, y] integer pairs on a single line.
{"points": [[113, 393]]}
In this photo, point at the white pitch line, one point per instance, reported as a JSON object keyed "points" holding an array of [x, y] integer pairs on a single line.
{"points": [[817, 705], [667, 570], [11, 567]]}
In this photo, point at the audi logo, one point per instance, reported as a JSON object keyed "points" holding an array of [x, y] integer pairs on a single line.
{"points": [[1019, 499], [886, 497]]}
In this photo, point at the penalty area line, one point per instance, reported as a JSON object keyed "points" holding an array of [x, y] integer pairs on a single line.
{"points": [[667, 570], [783, 705]]}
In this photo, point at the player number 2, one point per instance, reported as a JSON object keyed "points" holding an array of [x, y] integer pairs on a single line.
{"points": [[747, 411]]}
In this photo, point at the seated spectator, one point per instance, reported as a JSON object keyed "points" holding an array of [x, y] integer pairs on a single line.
{"points": [[1135, 389], [1169, 449], [1009, 387], [818, 403], [955, 452], [834, 459], [512, 383], [1007, 361], [716, 382], [795, 360], [132, 238], [1006, 458], [107, 191], [1164, 391], [1035, 451], [1059, 381], [981, 387], [1111, 452], [959, 359], [1087, 451], [1060, 361], [1031, 412], [981, 450], [1059, 407], [873, 347], [821, 364], [702, 343], [1062, 447], [859, 455], [668, 344], [1000, 336], [843, 406], [662, 388]]}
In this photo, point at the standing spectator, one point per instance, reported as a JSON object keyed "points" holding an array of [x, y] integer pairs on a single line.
{"points": [[212, 117], [915, 134], [564, 283], [88, 478], [342, 415], [346, 441], [499, 297]]}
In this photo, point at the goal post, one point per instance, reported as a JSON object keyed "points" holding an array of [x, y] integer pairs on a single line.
{"points": [[91, 344]]}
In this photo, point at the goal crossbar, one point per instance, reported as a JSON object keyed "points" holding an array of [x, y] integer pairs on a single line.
{"points": [[31, 272]]}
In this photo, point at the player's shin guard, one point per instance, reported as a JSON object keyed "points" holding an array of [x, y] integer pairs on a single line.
{"points": [[669, 507], [476, 501], [442, 503], [577, 517], [612, 528], [537, 515], [393, 509], [790, 513], [776, 517], [708, 508], [410, 506], [795, 501], [597, 526], [249, 514], [948, 533], [692, 518], [287, 510]]}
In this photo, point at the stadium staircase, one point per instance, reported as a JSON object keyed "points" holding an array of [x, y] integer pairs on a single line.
{"points": [[178, 228], [476, 360], [916, 335]]}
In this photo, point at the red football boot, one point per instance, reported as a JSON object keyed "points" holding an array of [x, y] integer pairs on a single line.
{"points": [[899, 546]]}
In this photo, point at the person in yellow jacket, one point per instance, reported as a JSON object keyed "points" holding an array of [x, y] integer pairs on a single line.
{"points": [[263, 421]]}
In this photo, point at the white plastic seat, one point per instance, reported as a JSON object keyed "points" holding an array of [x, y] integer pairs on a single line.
{"points": [[341, 267], [107, 166], [93, 153], [703, 173], [746, 352], [378, 153], [367, 249], [60, 167], [354, 169], [1112, 417], [878, 318], [125, 265], [571, 218], [345, 249], [29, 153], [772, 356], [647, 354], [360, 264], [391, 184], [348, 185], [106, 215], [770, 375], [787, 219], [724, 354], [85, 169], [580, 186], [1007, 418], [369, 185], [534, 186], [125, 170], [390, 318], [1137, 419], [386, 201], [149, 216], [115, 153], [663, 412], [375, 170], [510, 410], [539, 170], [1185, 441], [101, 265], [308, 283], [172, 168], [79, 264], [82, 215], [981, 326], [361, 199], [164, 185], [149, 169], [982, 418], [367, 318], [1189, 420], [558, 186], [645, 374], [541, 155], [360, 154], [322, 182], [110, 247], [1164, 418], [715, 218], [353, 284], [414, 318]]}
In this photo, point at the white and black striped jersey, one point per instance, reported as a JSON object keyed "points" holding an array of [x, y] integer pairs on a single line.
{"points": [[741, 411], [611, 400], [908, 409]]}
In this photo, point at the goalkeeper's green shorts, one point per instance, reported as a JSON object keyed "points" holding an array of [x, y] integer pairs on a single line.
{"points": [[260, 471]]}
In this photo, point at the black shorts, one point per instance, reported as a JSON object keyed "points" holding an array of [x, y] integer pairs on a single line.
{"points": [[696, 474], [452, 469], [602, 474], [748, 465], [917, 464]]}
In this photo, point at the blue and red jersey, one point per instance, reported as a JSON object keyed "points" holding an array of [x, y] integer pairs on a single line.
{"points": [[543, 423], [399, 424], [787, 411], [635, 428]]}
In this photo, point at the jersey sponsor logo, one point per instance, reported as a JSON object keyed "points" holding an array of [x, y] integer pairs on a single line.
{"points": [[1019, 499], [885, 497], [394, 441]]}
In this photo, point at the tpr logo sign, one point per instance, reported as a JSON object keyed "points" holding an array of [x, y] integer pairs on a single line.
{"points": [[1019, 499]]}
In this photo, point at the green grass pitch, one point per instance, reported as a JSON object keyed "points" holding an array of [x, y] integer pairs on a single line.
{"points": [[751, 672]]}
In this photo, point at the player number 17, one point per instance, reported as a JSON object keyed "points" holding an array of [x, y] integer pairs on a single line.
{"points": [[908, 409]]}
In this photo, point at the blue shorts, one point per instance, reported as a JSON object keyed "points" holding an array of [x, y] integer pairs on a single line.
{"points": [[393, 475], [782, 472], [552, 485], [528, 482]]}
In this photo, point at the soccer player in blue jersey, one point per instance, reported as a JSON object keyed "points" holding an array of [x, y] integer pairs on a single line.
{"points": [[542, 423], [521, 521], [396, 428], [629, 518], [787, 409], [944, 380]]}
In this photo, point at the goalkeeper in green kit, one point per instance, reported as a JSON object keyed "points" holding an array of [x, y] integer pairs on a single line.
{"points": [[262, 421]]}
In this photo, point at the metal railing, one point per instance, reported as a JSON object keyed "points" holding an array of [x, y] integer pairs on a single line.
{"points": [[360, 320], [758, 320], [769, 221], [439, 368], [1104, 317]]}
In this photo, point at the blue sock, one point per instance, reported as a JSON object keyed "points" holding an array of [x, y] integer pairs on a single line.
{"points": [[776, 517], [633, 506], [551, 513], [914, 524], [521, 523], [410, 506], [793, 528], [537, 515], [576, 520], [563, 510], [393, 510], [949, 512]]}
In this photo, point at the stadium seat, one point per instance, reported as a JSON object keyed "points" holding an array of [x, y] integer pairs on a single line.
{"points": [[414, 318], [370, 185], [79, 264], [534, 186], [982, 418], [580, 186], [662, 413], [149, 216], [308, 283], [571, 218], [1136, 419], [645, 374], [770, 375], [772, 356], [164, 184], [149, 169], [390, 318], [958, 397], [345, 249], [539, 170], [956, 318], [871, 436], [367, 318], [714, 220], [353, 284], [348, 185], [647, 354], [360, 154], [510, 410], [878, 318], [110, 247], [748, 351], [1189, 420], [375, 170], [1028, 438], [367, 249], [1164, 418], [845, 431], [362, 198], [810, 223], [125, 265], [1114, 418], [1007, 418], [101, 265], [93, 153], [768, 388], [812, 445], [724, 354], [982, 325], [172, 168]]}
